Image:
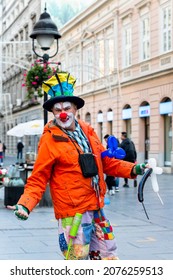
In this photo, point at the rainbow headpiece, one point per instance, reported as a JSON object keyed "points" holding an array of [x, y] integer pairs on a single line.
{"points": [[60, 88]]}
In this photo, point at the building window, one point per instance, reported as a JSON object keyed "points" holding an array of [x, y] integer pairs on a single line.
{"points": [[17, 10], [8, 50], [127, 116], [78, 116], [21, 36], [16, 38], [145, 32], [127, 46], [26, 33], [166, 109], [100, 124], [88, 118], [166, 29], [168, 139], [88, 64], [100, 58], [70, 62], [4, 26], [110, 121], [33, 17], [110, 57], [77, 66]]}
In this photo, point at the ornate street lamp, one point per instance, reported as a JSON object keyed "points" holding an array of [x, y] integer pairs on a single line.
{"points": [[45, 32]]}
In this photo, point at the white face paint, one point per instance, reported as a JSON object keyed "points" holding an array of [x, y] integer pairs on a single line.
{"points": [[65, 124], [62, 105], [65, 117]]}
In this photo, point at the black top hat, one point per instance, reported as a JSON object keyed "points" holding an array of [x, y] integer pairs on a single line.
{"points": [[60, 87]]}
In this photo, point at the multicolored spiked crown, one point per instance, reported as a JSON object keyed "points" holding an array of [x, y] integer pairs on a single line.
{"points": [[60, 88]]}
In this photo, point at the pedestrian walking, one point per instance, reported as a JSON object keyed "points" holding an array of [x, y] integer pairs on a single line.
{"points": [[111, 182], [1, 154], [69, 159], [4, 149], [131, 154], [20, 147]]}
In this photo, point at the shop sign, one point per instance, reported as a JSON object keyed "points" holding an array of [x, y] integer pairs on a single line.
{"points": [[110, 116], [100, 117], [144, 111], [127, 114], [166, 108]]}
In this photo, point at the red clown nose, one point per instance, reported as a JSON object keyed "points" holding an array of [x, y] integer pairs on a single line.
{"points": [[63, 116]]}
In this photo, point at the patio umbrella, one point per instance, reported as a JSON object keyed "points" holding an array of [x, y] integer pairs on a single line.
{"points": [[16, 131], [34, 127]]}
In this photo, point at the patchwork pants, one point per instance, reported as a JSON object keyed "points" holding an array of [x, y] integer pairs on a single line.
{"points": [[94, 240]]}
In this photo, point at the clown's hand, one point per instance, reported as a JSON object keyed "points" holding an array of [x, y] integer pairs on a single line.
{"points": [[20, 211], [139, 169]]}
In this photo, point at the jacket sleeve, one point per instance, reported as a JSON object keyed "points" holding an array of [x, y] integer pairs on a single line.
{"points": [[118, 168], [111, 166], [37, 182]]}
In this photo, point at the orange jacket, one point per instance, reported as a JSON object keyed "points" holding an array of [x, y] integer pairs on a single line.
{"points": [[57, 163]]}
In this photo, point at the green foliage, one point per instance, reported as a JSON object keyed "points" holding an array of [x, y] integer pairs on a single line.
{"points": [[3, 174], [34, 78]]}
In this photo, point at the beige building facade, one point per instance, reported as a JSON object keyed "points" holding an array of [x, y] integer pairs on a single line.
{"points": [[121, 53]]}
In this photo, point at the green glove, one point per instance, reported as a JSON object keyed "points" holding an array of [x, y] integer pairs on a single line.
{"points": [[140, 168], [21, 212]]}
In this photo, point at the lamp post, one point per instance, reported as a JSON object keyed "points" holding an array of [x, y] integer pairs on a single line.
{"points": [[45, 32]]}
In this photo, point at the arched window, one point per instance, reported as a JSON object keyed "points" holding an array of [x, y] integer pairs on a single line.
{"points": [[166, 111], [144, 114], [78, 117], [100, 124], [88, 118], [126, 116], [110, 121]]}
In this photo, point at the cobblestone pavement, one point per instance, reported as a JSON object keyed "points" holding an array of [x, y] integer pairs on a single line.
{"points": [[137, 237]]}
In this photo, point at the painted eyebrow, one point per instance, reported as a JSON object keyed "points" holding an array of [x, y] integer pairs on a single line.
{"points": [[66, 107]]}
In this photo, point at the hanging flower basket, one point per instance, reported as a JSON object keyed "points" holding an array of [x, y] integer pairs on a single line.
{"points": [[34, 78]]}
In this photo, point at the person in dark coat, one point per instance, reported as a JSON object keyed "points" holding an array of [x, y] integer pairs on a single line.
{"points": [[131, 154], [20, 147], [4, 149], [1, 154]]}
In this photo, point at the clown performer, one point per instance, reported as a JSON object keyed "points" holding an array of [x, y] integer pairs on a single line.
{"points": [[77, 186]]}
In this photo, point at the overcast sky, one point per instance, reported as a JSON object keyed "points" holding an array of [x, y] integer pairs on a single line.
{"points": [[61, 11], [73, 2]]}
